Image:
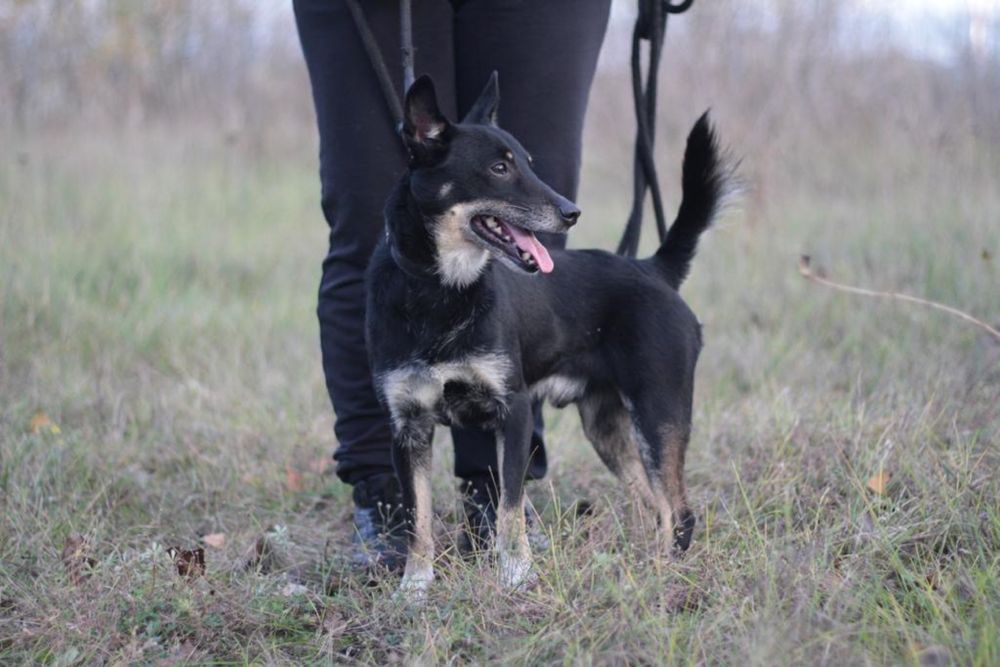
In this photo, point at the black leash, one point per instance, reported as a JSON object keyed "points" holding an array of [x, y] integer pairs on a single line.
{"points": [[651, 25], [392, 100], [406, 40]]}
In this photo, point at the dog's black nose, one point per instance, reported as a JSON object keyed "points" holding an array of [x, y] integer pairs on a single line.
{"points": [[569, 213]]}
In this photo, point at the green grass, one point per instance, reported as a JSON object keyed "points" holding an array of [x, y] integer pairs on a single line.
{"points": [[157, 300]]}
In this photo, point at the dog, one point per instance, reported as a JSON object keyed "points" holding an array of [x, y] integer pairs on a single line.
{"points": [[470, 318]]}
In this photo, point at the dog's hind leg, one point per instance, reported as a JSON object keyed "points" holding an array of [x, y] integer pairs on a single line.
{"points": [[412, 460], [674, 441], [608, 425], [663, 424], [513, 443]]}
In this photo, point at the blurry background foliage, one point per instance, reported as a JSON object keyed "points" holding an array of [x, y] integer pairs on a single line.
{"points": [[160, 379]]}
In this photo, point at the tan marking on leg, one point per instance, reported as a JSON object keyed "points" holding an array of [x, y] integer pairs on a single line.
{"points": [[513, 550], [672, 473], [674, 442], [511, 542], [665, 527], [633, 475], [654, 483], [608, 426], [419, 571]]}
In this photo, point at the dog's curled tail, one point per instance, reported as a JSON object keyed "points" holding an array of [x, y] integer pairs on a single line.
{"points": [[708, 185]]}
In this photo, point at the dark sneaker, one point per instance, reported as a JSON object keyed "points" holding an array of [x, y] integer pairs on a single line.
{"points": [[379, 528], [479, 499]]}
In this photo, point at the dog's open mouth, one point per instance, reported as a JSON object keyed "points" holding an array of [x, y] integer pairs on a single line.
{"points": [[517, 243]]}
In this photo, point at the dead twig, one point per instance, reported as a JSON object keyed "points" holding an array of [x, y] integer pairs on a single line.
{"points": [[805, 269]]}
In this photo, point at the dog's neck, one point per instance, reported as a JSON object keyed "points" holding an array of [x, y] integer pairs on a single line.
{"points": [[406, 233], [418, 252]]}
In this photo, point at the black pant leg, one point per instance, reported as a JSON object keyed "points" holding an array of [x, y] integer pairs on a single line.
{"points": [[545, 52], [361, 159], [546, 55]]}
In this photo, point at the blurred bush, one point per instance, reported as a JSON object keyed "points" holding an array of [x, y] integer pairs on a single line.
{"points": [[126, 63], [789, 78]]}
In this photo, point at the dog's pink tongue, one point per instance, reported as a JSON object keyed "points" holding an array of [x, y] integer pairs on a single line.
{"points": [[526, 241]]}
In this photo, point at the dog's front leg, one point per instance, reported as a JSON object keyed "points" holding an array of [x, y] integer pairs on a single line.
{"points": [[513, 444], [411, 456]]}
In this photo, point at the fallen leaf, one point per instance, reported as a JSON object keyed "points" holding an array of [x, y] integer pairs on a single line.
{"points": [[880, 482], [215, 540], [987, 255], [189, 563], [293, 480], [76, 560], [41, 423], [320, 465], [679, 598]]}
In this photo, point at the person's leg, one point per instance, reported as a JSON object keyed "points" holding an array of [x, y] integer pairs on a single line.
{"points": [[546, 54], [361, 159]]}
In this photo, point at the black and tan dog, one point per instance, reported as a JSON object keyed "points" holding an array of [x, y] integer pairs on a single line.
{"points": [[458, 339]]}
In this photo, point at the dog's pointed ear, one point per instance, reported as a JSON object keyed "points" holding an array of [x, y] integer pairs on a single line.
{"points": [[484, 111], [425, 130]]}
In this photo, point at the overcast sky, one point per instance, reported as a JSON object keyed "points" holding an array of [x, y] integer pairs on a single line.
{"points": [[926, 27]]}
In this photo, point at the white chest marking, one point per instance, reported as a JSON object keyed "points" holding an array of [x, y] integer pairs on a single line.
{"points": [[559, 389], [419, 386]]}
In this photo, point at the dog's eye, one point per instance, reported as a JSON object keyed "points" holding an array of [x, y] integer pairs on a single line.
{"points": [[500, 169]]}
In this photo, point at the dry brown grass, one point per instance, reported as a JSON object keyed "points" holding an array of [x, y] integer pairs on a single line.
{"points": [[157, 294]]}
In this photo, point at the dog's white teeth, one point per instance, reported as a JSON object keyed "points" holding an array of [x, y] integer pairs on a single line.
{"points": [[494, 226], [526, 256]]}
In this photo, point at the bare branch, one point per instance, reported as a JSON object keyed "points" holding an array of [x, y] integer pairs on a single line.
{"points": [[806, 270]]}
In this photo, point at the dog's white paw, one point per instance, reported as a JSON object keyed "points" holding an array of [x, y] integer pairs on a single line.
{"points": [[516, 571], [413, 588]]}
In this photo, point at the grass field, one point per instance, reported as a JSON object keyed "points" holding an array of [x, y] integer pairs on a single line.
{"points": [[157, 304]]}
